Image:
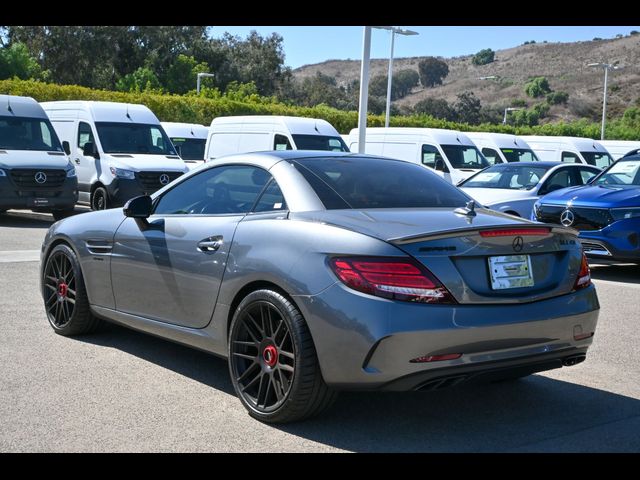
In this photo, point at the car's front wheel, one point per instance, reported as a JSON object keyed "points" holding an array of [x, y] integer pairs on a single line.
{"points": [[272, 360], [65, 295]]}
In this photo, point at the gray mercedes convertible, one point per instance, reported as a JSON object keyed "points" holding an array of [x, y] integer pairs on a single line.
{"points": [[315, 272]]}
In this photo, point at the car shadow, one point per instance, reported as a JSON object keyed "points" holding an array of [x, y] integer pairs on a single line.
{"points": [[537, 413], [27, 219], [627, 273]]}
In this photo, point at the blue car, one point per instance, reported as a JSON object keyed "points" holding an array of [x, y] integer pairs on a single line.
{"points": [[606, 212]]}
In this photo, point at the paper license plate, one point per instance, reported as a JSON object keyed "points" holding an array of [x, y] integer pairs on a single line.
{"points": [[510, 271]]}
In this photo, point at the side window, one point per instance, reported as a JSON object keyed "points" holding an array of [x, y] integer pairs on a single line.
{"points": [[429, 156], [219, 190], [45, 134], [570, 157], [492, 155], [586, 175], [560, 179], [280, 142], [271, 199], [84, 134]]}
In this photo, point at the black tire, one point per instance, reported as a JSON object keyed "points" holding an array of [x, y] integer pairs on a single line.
{"points": [[100, 199], [295, 389], [67, 308], [60, 214]]}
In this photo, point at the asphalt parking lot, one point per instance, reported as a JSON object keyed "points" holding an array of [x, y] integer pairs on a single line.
{"points": [[119, 390]]}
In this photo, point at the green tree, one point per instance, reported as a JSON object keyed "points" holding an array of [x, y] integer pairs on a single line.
{"points": [[436, 107], [537, 87], [483, 57], [378, 86], [182, 74], [143, 79], [403, 82], [15, 61], [432, 71], [468, 108]]}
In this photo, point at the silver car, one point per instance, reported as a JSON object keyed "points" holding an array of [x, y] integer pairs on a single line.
{"points": [[513, 188], [314, 272]]}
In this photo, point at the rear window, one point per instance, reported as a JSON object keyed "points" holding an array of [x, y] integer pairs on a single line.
{"points": [[361, 183]]}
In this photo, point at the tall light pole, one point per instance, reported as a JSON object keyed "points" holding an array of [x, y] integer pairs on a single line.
{"points": [[509, 109], [606, 67], [200, 75], [364, 89], [399, 31]]}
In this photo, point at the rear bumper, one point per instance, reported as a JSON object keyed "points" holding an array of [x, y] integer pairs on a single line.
{"points": [[366, 342], [60, 198]]}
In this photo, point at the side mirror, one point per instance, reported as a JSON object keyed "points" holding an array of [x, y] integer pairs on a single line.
{"points": [[90, 150], [66, 147], [440, 166], [138, 207]]}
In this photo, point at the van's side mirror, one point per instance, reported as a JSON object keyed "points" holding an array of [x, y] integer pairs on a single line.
{"points": [[66, 147], [138, 207], [90, 150], [440, 166]]}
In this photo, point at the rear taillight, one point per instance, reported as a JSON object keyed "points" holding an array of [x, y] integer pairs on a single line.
{"points": [[389, 277], [584, 276]]}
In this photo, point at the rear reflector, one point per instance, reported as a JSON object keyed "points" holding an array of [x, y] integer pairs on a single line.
{"points": [[584, 276], [513, 232], [436, 358], [391, 277], [582, 336]]}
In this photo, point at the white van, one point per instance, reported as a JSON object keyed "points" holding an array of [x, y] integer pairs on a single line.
{"points": [[502, 147], [35, 172], [569, 149], [257, 133], [451, 154], [619, 148], [189, 140], [120, 150]]}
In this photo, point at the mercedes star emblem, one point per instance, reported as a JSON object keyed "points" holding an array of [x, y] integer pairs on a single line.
{"points": [[567, 218], [40, 177], [164, 179], [517, 244]]}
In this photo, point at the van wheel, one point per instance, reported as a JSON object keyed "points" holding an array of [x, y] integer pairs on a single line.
{"points": [[60, 214], [99, 199]]}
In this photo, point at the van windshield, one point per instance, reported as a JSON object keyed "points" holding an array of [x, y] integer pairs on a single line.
{"points": [[24, 133], [190, 148], [320, 142], [519, 155], [134, 138], [465, 156], [599, 159]]}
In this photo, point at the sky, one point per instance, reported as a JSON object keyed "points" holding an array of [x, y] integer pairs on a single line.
{"points": [[308, 45]]}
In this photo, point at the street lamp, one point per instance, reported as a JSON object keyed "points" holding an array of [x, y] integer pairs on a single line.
{"points": [[606, 67], [509, 109], [399, 31], [200, 75], [364, 88]]}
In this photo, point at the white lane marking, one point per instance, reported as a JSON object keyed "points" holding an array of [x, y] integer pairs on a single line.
{"points": [[11, 256], [619, 283]]}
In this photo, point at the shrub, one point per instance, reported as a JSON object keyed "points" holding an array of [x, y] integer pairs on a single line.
{"points": [[483, 57], [537, 87], [556, 98]]}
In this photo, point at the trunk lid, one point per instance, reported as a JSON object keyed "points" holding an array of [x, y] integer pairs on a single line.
{"points": [[453, 247]]}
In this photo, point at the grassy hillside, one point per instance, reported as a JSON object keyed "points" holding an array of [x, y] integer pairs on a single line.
{"points": [[564, 65]]}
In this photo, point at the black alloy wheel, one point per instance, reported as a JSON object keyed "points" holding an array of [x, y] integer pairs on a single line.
{"points": [[273, 362], [65, 297], [100, 199]]}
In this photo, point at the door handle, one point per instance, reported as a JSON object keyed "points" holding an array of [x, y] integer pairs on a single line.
{"points": [[77, 160], [210, 244]]}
